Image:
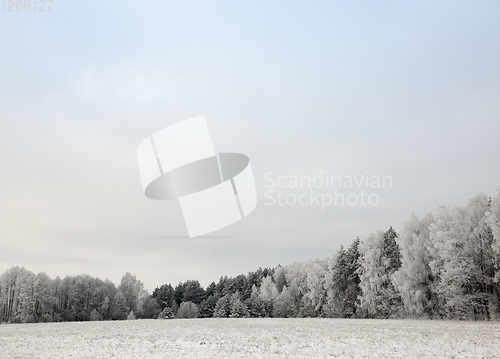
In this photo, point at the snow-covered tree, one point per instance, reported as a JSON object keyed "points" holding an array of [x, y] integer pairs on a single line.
{"points": [[166, 313], [268, 289], [314, 293], [223, 307], [493, 220], [284, 306], [95, 315], [380, 258], [414, 279], [188, 310], [134, 292], [342, 282], [257, 307], [120, 310], [131, 315], [237, 308], [207, 307], [466, 267]]}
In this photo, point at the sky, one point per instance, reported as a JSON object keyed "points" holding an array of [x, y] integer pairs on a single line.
{"points": [[406, 90]]}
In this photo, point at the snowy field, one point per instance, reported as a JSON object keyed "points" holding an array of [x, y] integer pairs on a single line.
{"points": [[252, 338]]}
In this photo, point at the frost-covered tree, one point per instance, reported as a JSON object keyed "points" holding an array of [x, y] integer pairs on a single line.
{"points": [[166, 313], [187, 310], [151, 309], [493, 220], [207, 307], [279, 277], [314, 292], [414, 279], [342, 282], [134, 292], [131, 315], [284, 305], [257, 307], [95, 315], [223, 307], [380, 258], [120, 309], [268, 289], [466, 267], [237, 308]]}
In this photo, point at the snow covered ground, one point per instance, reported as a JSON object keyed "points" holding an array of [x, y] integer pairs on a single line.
{"points": [[252, 338]]}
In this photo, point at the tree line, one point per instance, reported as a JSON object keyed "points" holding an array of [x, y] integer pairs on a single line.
{"points": [[444, 265]]}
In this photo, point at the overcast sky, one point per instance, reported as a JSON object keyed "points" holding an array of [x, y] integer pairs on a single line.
{"points": [[390, 88]]}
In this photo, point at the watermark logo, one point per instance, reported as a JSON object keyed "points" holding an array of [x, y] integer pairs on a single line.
{"points": [[324, 190], [214, 190]]}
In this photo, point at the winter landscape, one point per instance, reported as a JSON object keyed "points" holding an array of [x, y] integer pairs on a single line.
{"points": [[252, 338], [249, 179], [442, 270]]}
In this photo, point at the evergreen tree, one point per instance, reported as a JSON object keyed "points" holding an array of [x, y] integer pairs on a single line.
{"points": [[207, 307], [210, 290], [166, 313], [179, 293], [164, 295], [342, 282], [193, 292]]}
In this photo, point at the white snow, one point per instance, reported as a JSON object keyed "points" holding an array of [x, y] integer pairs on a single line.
{"points": [[252, 338]]}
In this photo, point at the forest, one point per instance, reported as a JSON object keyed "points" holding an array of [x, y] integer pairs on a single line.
{"points": [[444, 265]]}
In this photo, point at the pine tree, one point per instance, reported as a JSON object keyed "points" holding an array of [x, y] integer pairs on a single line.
{"points": [[167, 313], [342, 282], [178, 294], [207, 307], [164, 295], [193, 292]]}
